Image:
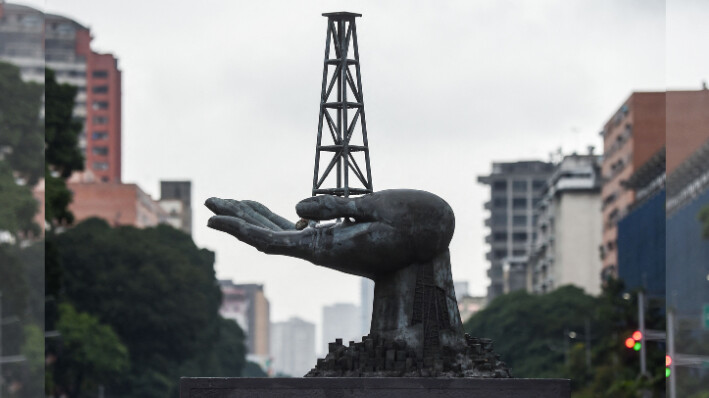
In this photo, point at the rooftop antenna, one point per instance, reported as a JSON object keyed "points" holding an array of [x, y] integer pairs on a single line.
{"points": [[342, 96]]}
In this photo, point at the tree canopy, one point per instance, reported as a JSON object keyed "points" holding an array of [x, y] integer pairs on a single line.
{"points": [[544, 336], [21, 129], [21, 259], [158, 292]]}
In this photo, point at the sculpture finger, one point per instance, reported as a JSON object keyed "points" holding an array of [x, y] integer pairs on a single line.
{"points": [[235, 208], [282, 222], [328, 207], [290, 243]]}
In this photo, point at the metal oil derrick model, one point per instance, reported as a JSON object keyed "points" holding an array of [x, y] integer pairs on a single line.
{"points": [[342, 111]]}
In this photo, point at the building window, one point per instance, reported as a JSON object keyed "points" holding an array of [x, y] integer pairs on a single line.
{"points": [[499, 237], [100, 150], [519, 203], [99, 89], [100, 120], [100, 74], [99, 135], [499, 186], [519, 253], [100, 166], [499, 203], [538, 184], [500, 254], [100, 105], [499, 219], [519, 220], [519, 186], [519, 237]]}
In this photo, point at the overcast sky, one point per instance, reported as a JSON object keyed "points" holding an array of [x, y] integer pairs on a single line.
{"points": [[226, 94]]}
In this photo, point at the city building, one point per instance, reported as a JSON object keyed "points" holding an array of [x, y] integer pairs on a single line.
{"points": [[687, 244], [22, 40], [293, 347], [118, 204], [687, 125], [461, 289], [366, 294], [515, 189], [568, 228], [631, 137], [176, 200], [641, 232], [469, 305], [248, 306], [340, 321], [515, 274], [32, 40]]}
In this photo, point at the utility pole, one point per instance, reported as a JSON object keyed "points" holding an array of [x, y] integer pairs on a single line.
{"points": [[671, 349], [587, 333], [641, 324], [2, 381], [566, 346]]}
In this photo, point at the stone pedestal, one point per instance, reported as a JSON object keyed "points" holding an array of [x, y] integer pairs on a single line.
{"points": [[352, 387]]}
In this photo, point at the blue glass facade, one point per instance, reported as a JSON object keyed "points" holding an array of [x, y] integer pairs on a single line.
{"points": [[687, 259], [641, 247]]}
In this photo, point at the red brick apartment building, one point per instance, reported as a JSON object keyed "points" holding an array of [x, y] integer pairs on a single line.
{"points": [[632, 135], [646, 123]]}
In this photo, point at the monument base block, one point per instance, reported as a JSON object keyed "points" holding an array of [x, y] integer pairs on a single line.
{"points": [[346, 387]]}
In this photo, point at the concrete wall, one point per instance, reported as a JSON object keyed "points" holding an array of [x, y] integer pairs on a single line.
{"points": [[577, 237]]}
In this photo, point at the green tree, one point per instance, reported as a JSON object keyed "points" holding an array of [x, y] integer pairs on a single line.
{"points": [[17, 205], [92, 353], [21, 130], [159, 293], [532, 334], [63, 156], [21, 166], [529, 330]]}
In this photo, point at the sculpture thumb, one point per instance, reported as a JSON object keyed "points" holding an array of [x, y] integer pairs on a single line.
{"points": [[328, 207]]}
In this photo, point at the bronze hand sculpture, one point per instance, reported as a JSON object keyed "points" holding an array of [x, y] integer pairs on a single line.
{"points": [[398, 238]]}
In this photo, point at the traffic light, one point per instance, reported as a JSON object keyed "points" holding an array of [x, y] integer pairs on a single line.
{"points": [[634, 341], [668, 362]]}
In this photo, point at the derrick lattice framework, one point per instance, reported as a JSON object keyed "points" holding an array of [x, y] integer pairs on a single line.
{"points": [[342, 114]]}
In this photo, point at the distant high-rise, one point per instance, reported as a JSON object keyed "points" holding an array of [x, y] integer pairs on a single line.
{"points": [[469, 306], [366, 294], [176, 200], [293, 347], [461, 289], [634, 133], [568, 228], [516, 188], [249, 307], [66, 50], [340, 321]]}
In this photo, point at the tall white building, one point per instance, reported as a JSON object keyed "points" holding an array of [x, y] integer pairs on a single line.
{"points": [[293, 347], [340, 321], [568, 228]]}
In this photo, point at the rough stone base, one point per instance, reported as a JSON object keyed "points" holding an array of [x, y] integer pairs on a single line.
{"points": [[375, 387], [376, 357]]}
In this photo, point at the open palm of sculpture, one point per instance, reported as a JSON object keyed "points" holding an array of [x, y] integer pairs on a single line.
{"points": [[398, 238]]}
